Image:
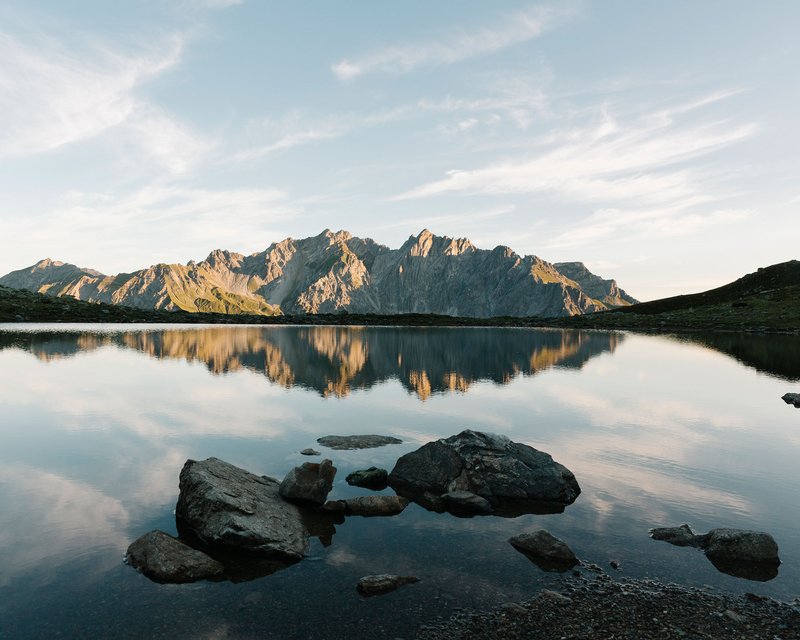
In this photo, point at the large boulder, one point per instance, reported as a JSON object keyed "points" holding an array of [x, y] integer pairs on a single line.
{"points": [[512, 477], [226, 506], [310, 482], [163, 558], [545, 550]]}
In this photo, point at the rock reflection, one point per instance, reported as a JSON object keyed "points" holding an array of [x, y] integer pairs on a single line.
{"points": [[334, 361]]}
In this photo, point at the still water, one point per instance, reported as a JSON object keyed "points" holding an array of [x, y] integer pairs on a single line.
{"points": [[97, 421]]}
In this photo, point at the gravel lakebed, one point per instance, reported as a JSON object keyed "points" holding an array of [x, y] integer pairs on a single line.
{"points": [[600, 607]]}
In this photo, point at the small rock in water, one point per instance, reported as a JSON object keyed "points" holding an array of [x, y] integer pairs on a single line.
{"points": [[466, 502], [166, 559], [382, 583], [792, 398], [334, 506], [545, 550], [555, 596], [375, 505], [342, 443], [310, 482], [614, 564], [681, 536], [310, 452], [372, 478]]}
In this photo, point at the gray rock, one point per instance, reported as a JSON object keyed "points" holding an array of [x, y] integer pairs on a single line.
{"points": [[513, 477], [555, 597], [745, 554], [375, 505], [342, 443], [310, 452], [545, 550], [382, 583], [466, 502], [334, 506], [681, 536], [372, 478], [228, 506], [166, 559], [792, 398], [310, 482]]}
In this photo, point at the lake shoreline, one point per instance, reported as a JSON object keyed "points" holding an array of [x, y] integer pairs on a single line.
{"points": [[600, 607]]}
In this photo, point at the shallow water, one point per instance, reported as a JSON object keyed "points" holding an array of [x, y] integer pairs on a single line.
{"points": [[97, 422]]}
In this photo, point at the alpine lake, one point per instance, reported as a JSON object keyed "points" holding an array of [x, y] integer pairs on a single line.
{"points": [[96, 422]]}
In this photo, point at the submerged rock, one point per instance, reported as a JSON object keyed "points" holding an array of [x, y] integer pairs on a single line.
{"points": [[382, 583], [744, 554], [310, 452], [681, 536], [226, 506], [372, 478], [792, 398], [466, 502], [545, 550], [310, 482], [514, 478], [342, 443], [166, 559], [375, 505]]}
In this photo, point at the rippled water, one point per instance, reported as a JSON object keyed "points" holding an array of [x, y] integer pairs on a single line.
{"points": [[96, 423]]}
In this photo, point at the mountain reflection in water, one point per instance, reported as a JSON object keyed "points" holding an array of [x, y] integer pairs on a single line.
{"points": [[336, 360]]}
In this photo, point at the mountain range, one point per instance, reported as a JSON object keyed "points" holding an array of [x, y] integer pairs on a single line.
{"points": [[335, 271]]}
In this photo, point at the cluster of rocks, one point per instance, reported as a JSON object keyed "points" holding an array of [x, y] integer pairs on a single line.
{"points": [[228, 518]]}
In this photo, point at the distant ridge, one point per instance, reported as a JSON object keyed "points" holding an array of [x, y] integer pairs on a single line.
{"points": [[337, 272]]}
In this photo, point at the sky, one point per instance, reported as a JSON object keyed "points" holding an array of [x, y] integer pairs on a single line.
{"points": [[655, 141]]}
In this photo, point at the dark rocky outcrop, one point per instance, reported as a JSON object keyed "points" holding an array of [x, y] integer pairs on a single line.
{"points": [[514, 478], [343, 443], [309, 452], [372, 478], [310, 482], [229, 507], [166, 559], [792, 398], [545, 550], [382, 583], [745, 554]]}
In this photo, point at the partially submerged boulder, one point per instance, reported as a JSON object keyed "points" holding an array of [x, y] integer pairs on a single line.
{"points": [[375, 505], [372, 478], [309, 452], [545, 550], [738, 552], [382, 583], [792, 398], [226, 506], [310, 482], [513, 477], [342, 443], [163, 558]]}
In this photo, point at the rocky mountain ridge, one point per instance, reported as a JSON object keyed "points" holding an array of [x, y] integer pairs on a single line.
{"points": [[335, 271]]}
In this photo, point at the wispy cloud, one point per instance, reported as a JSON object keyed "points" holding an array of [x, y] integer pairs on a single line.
{"points": [[52, 96], [454, 46], [607, 161]]}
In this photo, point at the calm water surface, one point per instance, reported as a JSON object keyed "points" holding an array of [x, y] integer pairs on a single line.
{"points": [[96, 423]]}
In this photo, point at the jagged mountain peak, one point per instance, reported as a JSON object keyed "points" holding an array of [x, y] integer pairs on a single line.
{"points": [[335, 271]]}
